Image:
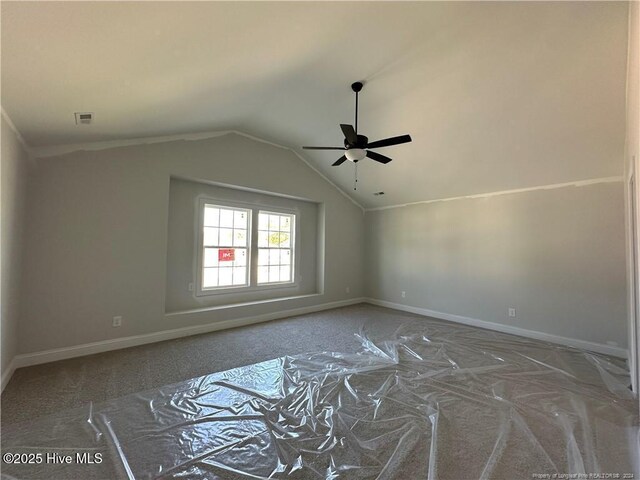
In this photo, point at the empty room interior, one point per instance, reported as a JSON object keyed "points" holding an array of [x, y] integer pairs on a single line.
{"points": [[320, 240]]}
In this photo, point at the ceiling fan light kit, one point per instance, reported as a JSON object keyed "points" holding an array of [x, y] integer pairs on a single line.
{"points": [[355, 154]]}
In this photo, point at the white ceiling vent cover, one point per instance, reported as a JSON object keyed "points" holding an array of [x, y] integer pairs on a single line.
{"points": [[84, 118]]}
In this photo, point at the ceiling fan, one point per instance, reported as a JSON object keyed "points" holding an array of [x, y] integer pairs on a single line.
{"points": [[356, 147]]}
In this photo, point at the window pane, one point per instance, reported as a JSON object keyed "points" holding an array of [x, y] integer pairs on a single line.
{"points": [[241, 257], [285, 223], [239, 238], [225, 276], [274, 274], [226, 237], [240, 219], [226, 218], [274, 256], [210, 237], [263, 274], [263, 239], [210, 278], [263, 221], [263, 256], [211, 216], [274, 239], [210, 257], [226, 257], [285, 273], [285, 240], [274, 222], [240, 275], [285, 257]]}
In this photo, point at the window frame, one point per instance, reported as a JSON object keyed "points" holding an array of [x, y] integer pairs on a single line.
{"points": [[201, 291], [252, 260], [292, 246]]}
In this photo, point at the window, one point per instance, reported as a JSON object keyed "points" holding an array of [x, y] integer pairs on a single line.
{"points": [[233, 258], [274, 247], [225, 240]]}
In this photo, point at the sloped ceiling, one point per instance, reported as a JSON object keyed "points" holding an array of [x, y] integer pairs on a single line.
{"points": [[496, 96]]}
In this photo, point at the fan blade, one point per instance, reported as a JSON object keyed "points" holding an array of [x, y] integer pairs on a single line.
{"points": [[340, 161], [323, 148], [378, 158], [349, 134], [387, 142]]}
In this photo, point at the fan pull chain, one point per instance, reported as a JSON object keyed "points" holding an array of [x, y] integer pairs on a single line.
{"points": [[355, 180]]}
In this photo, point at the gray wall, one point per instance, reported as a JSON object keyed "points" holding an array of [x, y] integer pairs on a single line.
{"points": [[14, 173], [182, 245], [632, 166], [98, 225], [557, 256], [97, 236]]}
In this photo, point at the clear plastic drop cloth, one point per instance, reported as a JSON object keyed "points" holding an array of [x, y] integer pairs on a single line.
{"points": [[436, 401]]}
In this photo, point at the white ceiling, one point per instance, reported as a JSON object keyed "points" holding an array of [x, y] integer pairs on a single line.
{"points": [[496, 96]]}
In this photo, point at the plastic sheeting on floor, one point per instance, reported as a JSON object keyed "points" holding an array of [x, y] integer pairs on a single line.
{"points": [[437, 401]]}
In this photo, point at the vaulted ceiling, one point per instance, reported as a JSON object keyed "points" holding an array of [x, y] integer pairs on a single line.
{"points": [[496, 96]]}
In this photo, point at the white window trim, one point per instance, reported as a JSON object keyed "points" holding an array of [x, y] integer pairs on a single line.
{"points": [[200, 254], [294, 237], [253, 286]]}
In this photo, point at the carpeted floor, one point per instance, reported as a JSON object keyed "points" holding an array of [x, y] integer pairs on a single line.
{"points": [[421, 398], [44, 389]]}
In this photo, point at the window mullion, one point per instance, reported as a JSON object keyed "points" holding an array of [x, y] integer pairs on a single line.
{"points": [[253, 249]]}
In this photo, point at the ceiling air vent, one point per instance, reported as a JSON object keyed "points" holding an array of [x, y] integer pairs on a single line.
{"points": [[84, 118]]}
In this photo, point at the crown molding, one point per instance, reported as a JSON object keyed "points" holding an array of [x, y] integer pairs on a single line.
{"points": [[57, 150], [19, 136], [553, 186]]}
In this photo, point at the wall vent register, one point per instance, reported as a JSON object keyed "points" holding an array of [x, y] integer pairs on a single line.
{"points": [[83, 118]]}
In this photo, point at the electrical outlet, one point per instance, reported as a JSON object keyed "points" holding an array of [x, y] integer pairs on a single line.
{"points": [[404, 294], [512, 312], [347, 290], [191, 287], [117, 321]]}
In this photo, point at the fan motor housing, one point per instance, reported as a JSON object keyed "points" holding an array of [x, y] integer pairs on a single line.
{"points": [[362, 142]]}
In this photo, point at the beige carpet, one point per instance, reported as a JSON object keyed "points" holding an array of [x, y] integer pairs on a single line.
{"points": [[49, 388], [422, 398]]}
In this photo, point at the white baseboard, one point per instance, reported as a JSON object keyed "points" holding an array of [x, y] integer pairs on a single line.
{"points": [[7, 373], [547, 337], [46, 356]]}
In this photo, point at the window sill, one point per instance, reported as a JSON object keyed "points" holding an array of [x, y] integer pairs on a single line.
{"points": [[248, 289], [239, 305]]}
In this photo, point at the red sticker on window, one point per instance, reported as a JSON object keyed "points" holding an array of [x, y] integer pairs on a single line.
{"points": [[226, 254]]}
